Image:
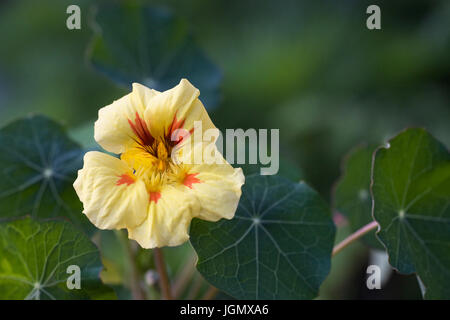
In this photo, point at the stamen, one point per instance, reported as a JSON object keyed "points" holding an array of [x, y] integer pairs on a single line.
{"points": [[162, 151], [161, 165]]}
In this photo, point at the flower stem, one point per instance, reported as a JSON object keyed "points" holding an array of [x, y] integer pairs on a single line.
{"points": [[354, 236], [136, 290], [163, 278]]}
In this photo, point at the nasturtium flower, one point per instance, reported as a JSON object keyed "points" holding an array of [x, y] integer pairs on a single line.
{"points": [[155, 188]]}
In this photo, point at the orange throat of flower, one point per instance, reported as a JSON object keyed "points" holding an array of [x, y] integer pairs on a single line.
{"points": [[151, 160]]}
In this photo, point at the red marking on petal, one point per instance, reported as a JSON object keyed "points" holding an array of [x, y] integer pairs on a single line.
{"points": [[176, 124], [186, 135], [190, 179], [180, 135], [140, 129], [154, 196], [125, 179]]}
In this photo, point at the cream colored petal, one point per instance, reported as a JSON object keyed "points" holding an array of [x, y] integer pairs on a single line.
{"points": [[142, 95], [218, 191], [177, 105], [112, 129], [219, 186], [112, 197], [168, 220]]}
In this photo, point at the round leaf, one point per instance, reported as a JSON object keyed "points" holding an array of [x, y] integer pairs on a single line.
{"points": [[39, 164], [278, 245], [411, 191], [150, 46], [35, 259]]}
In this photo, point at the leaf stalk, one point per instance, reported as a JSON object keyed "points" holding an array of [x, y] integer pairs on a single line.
{"points": [[354, 236]]}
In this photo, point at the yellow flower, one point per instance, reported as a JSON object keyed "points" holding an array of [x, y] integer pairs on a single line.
{"points": [[147, 190]]}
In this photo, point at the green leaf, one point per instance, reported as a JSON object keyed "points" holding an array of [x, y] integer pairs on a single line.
{"points": [[34, 261], [411, 191], [278, 245], [149, 45], [352, 191], [38, 165]]}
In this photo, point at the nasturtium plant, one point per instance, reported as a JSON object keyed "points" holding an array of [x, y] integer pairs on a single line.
{"points": [[151, 46], [278, 245], [39, 164], [352, 192], [37, 260], [411, 192]]}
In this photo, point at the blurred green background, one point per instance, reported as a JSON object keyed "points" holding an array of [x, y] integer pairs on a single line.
{"points": [[310, 68]]}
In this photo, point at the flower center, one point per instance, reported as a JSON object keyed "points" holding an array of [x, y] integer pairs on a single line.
{"points": [[143, 158], [151, 159]]}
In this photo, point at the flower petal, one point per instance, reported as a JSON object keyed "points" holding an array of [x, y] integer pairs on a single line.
{"points": [[112, 196], [218, 191], [176, 108], [215, 183], [114, 128], [167, 223]]}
